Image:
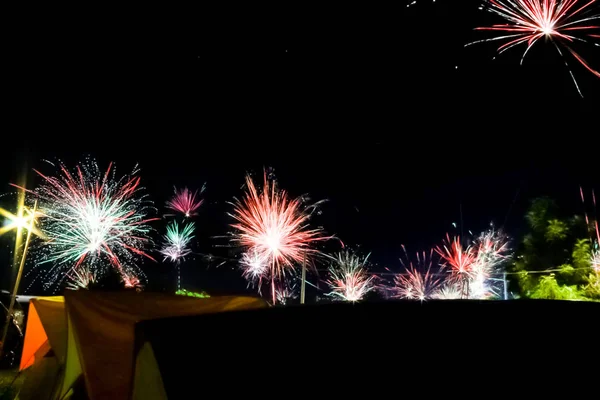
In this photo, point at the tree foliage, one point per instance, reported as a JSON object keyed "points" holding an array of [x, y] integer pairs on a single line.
{"points": [[554, 260]]}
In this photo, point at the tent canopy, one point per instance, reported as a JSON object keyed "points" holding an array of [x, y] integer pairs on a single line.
{"points": [[92, 333]]}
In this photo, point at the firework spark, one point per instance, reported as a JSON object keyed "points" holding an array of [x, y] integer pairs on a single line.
{"points": [[275, 227], [177, 241], [418, 283], [81, 278], [93, 218], [185, 201], [348, 277], [563, 22]]}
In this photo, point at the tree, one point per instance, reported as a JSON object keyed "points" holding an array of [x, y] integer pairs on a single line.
{"points": [[554, 260]]}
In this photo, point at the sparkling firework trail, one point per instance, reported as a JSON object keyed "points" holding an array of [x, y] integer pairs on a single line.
{"points": [[93, 218], [418, 283], [177, 241], [563, 22], [348, 277], [185, 202], [275, 227]]}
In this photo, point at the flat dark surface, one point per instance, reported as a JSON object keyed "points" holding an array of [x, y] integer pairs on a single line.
{"points": [[373, 350]]}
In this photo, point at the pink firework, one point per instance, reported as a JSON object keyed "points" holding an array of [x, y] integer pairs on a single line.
{"points": [[563, 22], [418, 282], [276, 228], [185, 201]]}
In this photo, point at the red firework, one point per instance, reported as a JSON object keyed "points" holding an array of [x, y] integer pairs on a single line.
{"points": [[562, 21], [185, 201], [275, 227], [460, 259]]}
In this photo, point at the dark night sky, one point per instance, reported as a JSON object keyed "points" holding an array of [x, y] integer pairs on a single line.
{"points": [[362, 106]]}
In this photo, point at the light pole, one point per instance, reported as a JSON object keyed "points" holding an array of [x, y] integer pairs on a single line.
{"points": [[303, 285], [30, 230]]}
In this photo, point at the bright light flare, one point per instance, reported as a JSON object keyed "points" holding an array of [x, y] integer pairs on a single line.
{"points": [[349, 279], [22, 220]]}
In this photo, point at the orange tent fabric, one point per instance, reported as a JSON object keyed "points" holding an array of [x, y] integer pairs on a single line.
{"points": [[46, 328], [103, 328]]}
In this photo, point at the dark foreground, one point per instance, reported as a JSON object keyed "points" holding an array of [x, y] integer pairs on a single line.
{"points": [[400, 350]]}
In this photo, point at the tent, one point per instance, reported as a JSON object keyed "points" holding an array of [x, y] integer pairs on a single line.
{"points": [[83, 345]]}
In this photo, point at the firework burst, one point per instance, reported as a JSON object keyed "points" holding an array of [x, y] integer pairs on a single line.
{"points": [[562, 22], [348, 277], [81, 278], [448, 292], [418, 283], [93, 218], [255, 267], [275, 227], [492, 251], [185, 201], [177, 241], [286, 293]]}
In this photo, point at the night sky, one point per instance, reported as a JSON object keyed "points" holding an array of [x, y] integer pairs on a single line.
{"points": [[361, 106]]}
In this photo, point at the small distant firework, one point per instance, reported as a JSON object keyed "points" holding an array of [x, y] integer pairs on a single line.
{"points": [[561, 22], [348, 277], [448, 292], [93, 218], [177, 241], [418, 283], [412, 3], [275, 227], [286, 293], [81, 278], [185, 202], [254, 266], [131, 281]]}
